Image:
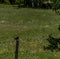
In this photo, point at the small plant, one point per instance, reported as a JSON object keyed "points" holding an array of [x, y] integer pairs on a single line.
{"points": [[53, 44]]}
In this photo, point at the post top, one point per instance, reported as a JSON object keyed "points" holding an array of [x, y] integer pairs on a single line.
{"points": [[16, 38]]}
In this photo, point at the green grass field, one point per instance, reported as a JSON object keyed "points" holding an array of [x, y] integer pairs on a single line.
{"points": [[32, 26]]}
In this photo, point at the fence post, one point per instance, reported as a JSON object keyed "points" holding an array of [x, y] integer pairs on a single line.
{"points": [[17, 46]]}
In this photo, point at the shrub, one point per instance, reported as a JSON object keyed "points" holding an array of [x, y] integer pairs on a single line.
{"points": [[6, 1], [53, 43]]}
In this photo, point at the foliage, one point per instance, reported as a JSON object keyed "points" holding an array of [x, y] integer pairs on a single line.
{"points": [[1, 1], [28, 3], [53, 44], [6, 2], [56, 6], [9, 1]]}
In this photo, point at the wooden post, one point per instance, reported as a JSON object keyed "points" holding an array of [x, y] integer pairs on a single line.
{"points": [[17, 46]]}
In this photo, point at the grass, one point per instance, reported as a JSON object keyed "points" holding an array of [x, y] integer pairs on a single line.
{"points": [[32, 26]]}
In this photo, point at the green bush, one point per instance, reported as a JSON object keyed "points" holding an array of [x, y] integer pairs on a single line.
{"points": [[6, 1], [17, 1], [53, 44]]}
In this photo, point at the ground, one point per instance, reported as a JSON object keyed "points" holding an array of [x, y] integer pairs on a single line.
{"points": [[32, 26]]}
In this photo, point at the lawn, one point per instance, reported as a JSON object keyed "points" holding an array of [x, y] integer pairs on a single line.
{"points": [[32, 26]]}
